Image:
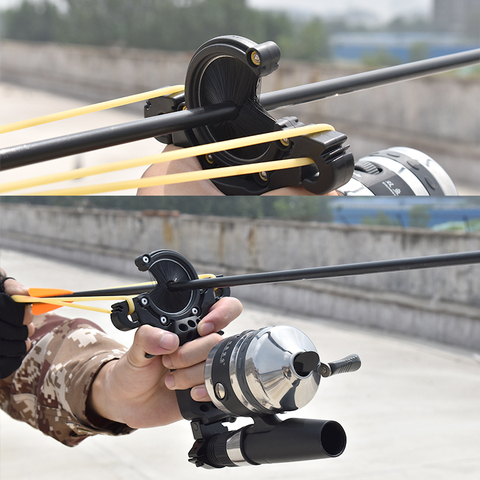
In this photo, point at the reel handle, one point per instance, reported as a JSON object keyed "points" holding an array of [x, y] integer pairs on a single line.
{"points": [[348, 364]]}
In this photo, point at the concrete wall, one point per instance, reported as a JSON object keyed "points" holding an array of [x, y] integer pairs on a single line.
{"points": [[438, 115], [440, 304]]}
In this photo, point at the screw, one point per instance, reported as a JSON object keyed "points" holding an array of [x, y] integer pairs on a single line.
{"points": [[285, 142], [164, 320], [220, 391], [144, 301], [263, 176], [145, 259], [255, 57], [195, 311], [210, 159]]}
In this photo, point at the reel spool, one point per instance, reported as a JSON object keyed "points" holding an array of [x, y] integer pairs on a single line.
{"points": [[398, 171], [228, 70]]}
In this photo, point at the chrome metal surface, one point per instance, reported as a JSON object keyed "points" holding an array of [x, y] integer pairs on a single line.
{"points": [[434, 167], [234, 450], [266, 372]]}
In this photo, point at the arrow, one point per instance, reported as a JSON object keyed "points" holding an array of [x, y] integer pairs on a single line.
{"points": [[446, 260], [61, 294]]}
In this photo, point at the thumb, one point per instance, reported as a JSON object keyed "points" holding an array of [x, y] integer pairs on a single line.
{"points": [[151, 341], [12, 287]]}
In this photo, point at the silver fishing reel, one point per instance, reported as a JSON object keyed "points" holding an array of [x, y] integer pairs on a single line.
{"points": [[259, 374], [398, 171], [267, 371]]}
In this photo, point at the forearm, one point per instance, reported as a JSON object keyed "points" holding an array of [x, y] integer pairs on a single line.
{"points": [[49, 390]]}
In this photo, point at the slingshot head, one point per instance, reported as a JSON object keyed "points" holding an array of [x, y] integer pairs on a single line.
{"points": [[178, 312], [228, 69]]}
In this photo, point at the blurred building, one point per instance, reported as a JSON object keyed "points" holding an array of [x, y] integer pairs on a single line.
{"points": [[457, 16], [399, 47]]}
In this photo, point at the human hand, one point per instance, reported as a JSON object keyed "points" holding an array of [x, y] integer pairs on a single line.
{"points": [[140, 391], [201, 187], [15, 327]]}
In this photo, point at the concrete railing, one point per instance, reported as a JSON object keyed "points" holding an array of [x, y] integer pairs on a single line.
{"points": [[440, 304]]}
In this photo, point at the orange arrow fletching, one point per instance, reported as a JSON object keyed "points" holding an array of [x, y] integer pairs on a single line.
{"points": [[48, 292], [41, 308]]}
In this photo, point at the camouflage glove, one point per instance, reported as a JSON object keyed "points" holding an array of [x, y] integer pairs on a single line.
{"points": [[13, 333]]}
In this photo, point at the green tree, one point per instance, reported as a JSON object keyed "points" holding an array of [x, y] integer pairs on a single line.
{"points": [[419, 216], [419, 51], [181, 25], [310, 42], [38, 21], [304, 208], [380, 58], [381, 219]]}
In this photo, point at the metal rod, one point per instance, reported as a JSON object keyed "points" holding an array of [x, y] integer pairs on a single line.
{"points": [[383, 266], [366, 80], [31, 153]]}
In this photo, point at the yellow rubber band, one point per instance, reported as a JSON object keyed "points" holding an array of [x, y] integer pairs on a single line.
{"points": [[180, 177], [70, 302], [131, 305], [97, 107], [164, 157]]}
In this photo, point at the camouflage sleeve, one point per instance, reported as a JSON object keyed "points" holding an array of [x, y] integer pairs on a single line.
{"points": [[50, 389]]}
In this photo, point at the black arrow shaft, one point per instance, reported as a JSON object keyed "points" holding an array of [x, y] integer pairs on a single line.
{"points": [[31, 153], [446, 260], [366, 80], [110, 292], [384, 266]]}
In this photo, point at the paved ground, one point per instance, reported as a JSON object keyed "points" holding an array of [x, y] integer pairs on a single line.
{"points": [[411, 412], [20, 103]]}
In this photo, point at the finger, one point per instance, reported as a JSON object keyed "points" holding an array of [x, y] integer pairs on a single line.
{"points": [[13, 332], [200, 394], [191, 353], [12, 287], [153, 341], [186, 378], [31, 329], [28, 315], [220, 315]]}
